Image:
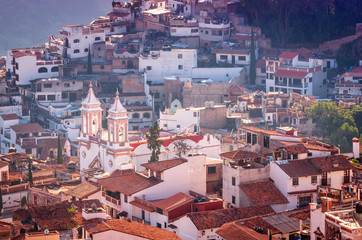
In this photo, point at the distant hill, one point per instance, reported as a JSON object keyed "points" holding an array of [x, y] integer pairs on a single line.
{"points": [[26, 23]]}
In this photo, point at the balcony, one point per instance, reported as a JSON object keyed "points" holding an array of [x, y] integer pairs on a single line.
{"points": [[111, 199], [140, 220]]}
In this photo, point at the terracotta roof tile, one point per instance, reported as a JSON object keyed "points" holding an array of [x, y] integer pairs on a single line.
{"points": [[289, 55], [332, 163], [290, 73], [295, 148], [173, 201], [302, 215], [164, 165], [3, 164], [240, 154], [83, 190], [126, 226], [260, 130], [263, 193], [237, 231], [298, 168], [27, 128], [128, 182], [21, 54], [7, 117], [216, 218]]}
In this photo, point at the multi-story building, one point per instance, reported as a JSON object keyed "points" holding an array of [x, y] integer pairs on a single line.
{"points": [[349, 86], [213, 30], [181, 27], [288, 74]]}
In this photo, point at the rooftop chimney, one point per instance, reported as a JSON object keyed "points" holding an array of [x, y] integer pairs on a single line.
{"points": [[326, 204], [355, 147]]}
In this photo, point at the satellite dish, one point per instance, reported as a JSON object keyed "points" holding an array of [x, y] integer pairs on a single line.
{"points": [[46, 231], [256, 148]]}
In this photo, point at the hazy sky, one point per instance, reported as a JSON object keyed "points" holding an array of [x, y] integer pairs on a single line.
{"points": [[26, 23]]}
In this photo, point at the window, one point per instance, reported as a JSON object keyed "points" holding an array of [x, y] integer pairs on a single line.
{"points": [[159, 210], [304, 201], [195, 30], [263, 70], [47, 85], [97, 38], [136, 128], [42, 70], [86, 50], [41, 97], [54, 69], [178, 126], [146, 115], [102, 66], [295, 181], [324, 69], [76, 41], [136, 115], [28, 151], [206, 32], [165, 125], [64, 95], [233, 181], [173, 30], [310, 154], [179, 56], [125, 199], [99, 48], [233, 199], [324, 81], [76, 51], [4, 176], [266, 140], [159, 225], [195, 114], [223, 57], [248, 137], [66, 84], [211, 170], [310, 79], [51, 97], [242, 58], [180, 67], [149, 68], [314, 179], [35, 197]]}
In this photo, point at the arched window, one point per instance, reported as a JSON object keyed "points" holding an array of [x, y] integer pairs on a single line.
{"points": [[54, 69], [135, 115], [120, 131], [42, 70], [76, 51], [97, 38], [146, 115], [85, 49], [76, 41]]}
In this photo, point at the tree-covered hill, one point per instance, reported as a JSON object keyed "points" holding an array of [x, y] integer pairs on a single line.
{"points": [[25, 23]]}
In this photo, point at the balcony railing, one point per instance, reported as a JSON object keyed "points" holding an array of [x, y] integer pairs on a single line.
{"points": [[140, 220], [111, 199]]}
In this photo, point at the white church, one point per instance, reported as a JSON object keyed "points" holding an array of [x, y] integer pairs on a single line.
{"points": [[110, 149]]}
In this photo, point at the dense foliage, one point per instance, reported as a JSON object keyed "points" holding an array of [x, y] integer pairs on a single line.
{"points": [[153, 142], [335, 124], [295, 21]]}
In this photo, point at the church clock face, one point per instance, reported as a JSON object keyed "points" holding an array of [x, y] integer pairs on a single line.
{"points": [[110, 163], [84, 154]]}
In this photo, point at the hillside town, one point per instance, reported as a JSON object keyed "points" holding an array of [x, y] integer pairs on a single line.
{"points": [[176, 119]]}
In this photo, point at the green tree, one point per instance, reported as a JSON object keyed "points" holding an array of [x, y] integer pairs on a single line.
{"points": [[60, 158], [30, 175], [23, 201], [252, 59], [334, 124], [89, 67], [357, 116], [153, 142]]}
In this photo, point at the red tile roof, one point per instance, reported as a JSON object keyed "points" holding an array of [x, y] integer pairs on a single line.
{"points": [[3, 164], [263, 193], [289, 55], [260, 130], [240, 155], [332, 163], [302, 215], [126, 226], [295, 148], [21, 54], [356, 72], [7, 117], [164, 165], [83, 190], [27, 128], [127, 182], [216, 218], [173, 201], [298, 168], [238, 231], [290, 73]]}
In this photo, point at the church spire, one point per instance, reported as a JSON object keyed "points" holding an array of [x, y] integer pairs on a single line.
{"points": [[117, 106], [90, 99]]}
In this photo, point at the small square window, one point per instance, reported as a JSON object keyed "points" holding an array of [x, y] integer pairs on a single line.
{"points": [[295, 181], [179, 56], [211, 170], [149, 68], [314, 179], [180, 67]]}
